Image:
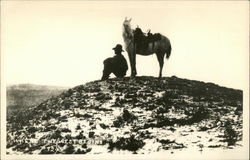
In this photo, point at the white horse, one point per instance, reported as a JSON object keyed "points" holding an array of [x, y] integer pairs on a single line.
{"points": [[160, 48]]}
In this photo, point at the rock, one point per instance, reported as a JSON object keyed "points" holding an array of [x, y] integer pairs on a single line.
{"points": [[69, 149], [65, 130], [91, 134], [104, 126], [78, 126], [32, 129], [80, 136]]}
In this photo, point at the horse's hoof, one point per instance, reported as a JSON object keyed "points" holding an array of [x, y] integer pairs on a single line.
{"points": [[159, 78]]}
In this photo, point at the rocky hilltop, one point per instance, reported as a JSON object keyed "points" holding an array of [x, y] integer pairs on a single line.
{"points": [[141, 115]]}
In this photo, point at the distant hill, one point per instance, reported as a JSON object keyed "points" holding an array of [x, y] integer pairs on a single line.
{"points": [[26, 95], [140, 115]]}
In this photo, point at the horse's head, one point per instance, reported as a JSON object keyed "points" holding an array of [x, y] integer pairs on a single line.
{"points": [[126, 23], [127, 30]]}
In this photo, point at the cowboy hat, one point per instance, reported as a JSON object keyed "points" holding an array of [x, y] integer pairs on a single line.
{"points": [[118, 47]]}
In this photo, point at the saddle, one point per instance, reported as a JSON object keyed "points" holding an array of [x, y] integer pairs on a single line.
{"points": [[142, 39]]}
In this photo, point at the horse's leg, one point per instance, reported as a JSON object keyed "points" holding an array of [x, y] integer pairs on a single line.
{"points": [[131, 64], [134, 60], [160, 58]]}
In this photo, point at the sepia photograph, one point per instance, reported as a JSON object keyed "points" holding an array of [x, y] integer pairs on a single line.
{"points": [[124, 79]]}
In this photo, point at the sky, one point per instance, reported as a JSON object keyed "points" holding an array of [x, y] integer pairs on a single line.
{"points": [[64, 43]]}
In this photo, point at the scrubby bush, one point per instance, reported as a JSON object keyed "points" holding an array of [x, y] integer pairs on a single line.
{"points": [[80, 136], [103, 96], [104, 126], [32, 129], [118, 122], [196, 116], [91, 134], [230, 134], [78, 126], [21, 146], [200, 114], [167, 99], [49, 128], [125, 117], [65, 130], [56, 135], [86, 115], [131, 144], [66, 103]]}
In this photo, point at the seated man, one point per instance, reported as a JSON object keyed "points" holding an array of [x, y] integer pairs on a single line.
{"points": [[116, 65]]}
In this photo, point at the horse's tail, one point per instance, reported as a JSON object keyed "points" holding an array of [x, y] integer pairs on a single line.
{"points": [[167, 46], [168, 51]]}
